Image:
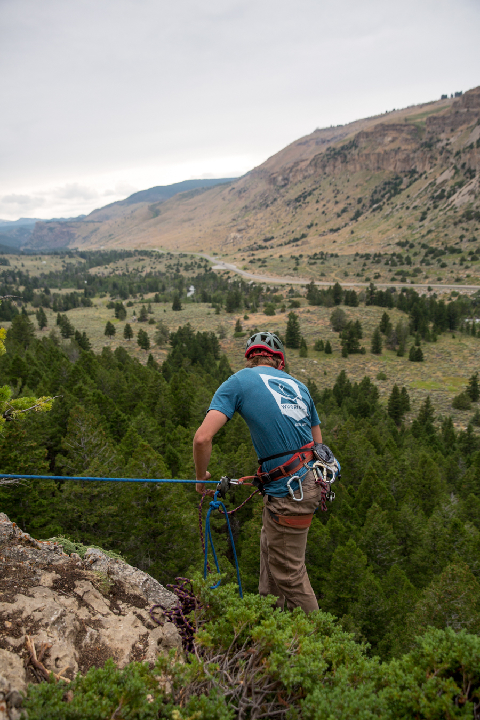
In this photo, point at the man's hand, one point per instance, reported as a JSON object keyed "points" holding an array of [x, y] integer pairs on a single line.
{"points": [[200, 486]]}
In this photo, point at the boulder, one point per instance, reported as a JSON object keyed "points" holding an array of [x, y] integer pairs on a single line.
{"points": [[70, 614]]}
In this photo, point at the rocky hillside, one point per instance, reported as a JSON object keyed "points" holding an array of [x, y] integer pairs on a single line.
{"points": [[63, 614], [402, 176]]}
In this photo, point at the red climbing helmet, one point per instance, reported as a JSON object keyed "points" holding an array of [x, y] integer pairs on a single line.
{"points": [[265, 343]]}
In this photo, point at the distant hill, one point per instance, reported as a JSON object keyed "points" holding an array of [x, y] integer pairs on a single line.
{"points": [[48, 234], [402, 177]]}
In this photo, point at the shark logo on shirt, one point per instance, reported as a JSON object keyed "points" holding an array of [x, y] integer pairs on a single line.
{"points": [[287, 396]]}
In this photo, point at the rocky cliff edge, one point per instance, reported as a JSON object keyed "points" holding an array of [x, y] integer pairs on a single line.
{"points": [[63, 614]]}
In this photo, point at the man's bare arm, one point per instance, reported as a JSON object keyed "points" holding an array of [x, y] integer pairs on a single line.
{"points": [[202, 445], [316, 434]]}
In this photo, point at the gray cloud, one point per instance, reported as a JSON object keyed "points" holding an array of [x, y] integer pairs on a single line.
{"points": [[131, 93]]}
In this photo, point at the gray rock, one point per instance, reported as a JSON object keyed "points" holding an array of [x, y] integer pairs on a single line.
{"points": [[131, 577], [80, 611], [12, 684]]}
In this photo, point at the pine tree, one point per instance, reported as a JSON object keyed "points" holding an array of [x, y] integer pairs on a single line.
{"points": [[143, 317], [405, 399], [303, 348], [376, 346], [41, 318], [293, 336], [162, 334], [110, 329], [21, 330], [143, 341], [66, 327], [337, 293], [176, 304], [127, 332], [384, 322], [319, 346], [82, 340], [328, 348], [473, 390], [395, 405]]}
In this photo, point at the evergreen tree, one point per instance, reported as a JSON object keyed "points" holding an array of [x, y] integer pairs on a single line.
{"points": [[395, 405], [415, 354], [319, 346], [337, 293], [303, 348], [448, 433], [143, 341], [66, 327], [349, 338], [384, 323], [82, 340], [328, 348], [176, 304], [473, 390], [143, 317], [127, 331], [293, 336], [21, 331], [351, 298], [338, 319], [162, 334], [376, 346], [405, 397], [238, 326], [110, 329], [41, 318]]}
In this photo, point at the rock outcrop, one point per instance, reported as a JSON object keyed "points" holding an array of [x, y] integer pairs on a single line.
{"points": [[66, 614]]}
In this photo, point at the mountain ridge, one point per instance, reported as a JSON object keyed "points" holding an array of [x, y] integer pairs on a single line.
{"points": [[363, 166]]}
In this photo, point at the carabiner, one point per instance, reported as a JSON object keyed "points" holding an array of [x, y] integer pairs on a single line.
{"points": [[295, 477]]}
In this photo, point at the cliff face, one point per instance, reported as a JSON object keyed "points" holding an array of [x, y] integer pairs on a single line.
{"points": [[298, 187], [62, 614]]}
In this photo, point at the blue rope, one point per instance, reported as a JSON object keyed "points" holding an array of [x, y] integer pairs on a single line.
{"points": [[216, 505], [100, 479]]}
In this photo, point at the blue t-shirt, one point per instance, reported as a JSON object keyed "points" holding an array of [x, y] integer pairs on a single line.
{"points": [[277, 408]]}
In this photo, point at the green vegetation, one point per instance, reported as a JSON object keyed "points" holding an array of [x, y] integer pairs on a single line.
{"points": [[398, 549], [253, 661]]}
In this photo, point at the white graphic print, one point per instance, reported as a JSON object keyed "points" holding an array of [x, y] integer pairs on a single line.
{"points": [[287, 396]]}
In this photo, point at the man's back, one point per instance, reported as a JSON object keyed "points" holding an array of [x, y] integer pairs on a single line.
{"points": [[277, 408]]}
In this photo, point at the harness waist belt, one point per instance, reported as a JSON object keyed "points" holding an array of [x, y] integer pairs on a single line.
{"points": [[300, 521], [287, 469]]}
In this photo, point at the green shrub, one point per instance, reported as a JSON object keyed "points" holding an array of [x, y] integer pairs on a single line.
{"points": [[255, 661], [462, 402]]}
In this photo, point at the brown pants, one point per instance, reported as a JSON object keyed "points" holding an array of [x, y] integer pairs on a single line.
{"points": [[282, 550]]}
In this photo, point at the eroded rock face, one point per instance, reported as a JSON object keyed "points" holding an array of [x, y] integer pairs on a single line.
{"points": [[78, 612]]}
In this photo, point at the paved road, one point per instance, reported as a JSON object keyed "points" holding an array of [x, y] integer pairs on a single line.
{"points": [[287, 280]]}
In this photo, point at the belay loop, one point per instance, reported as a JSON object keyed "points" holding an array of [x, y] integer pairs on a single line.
{"points": [[217, 505]]}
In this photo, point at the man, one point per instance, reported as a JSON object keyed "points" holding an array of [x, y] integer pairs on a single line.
{"points": [[283, 423]]}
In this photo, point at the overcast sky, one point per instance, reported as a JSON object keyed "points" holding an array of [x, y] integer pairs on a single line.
{"points": [[101, 98]]}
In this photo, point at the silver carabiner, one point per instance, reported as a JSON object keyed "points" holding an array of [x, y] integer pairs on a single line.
{"points": [[295, 477]]}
